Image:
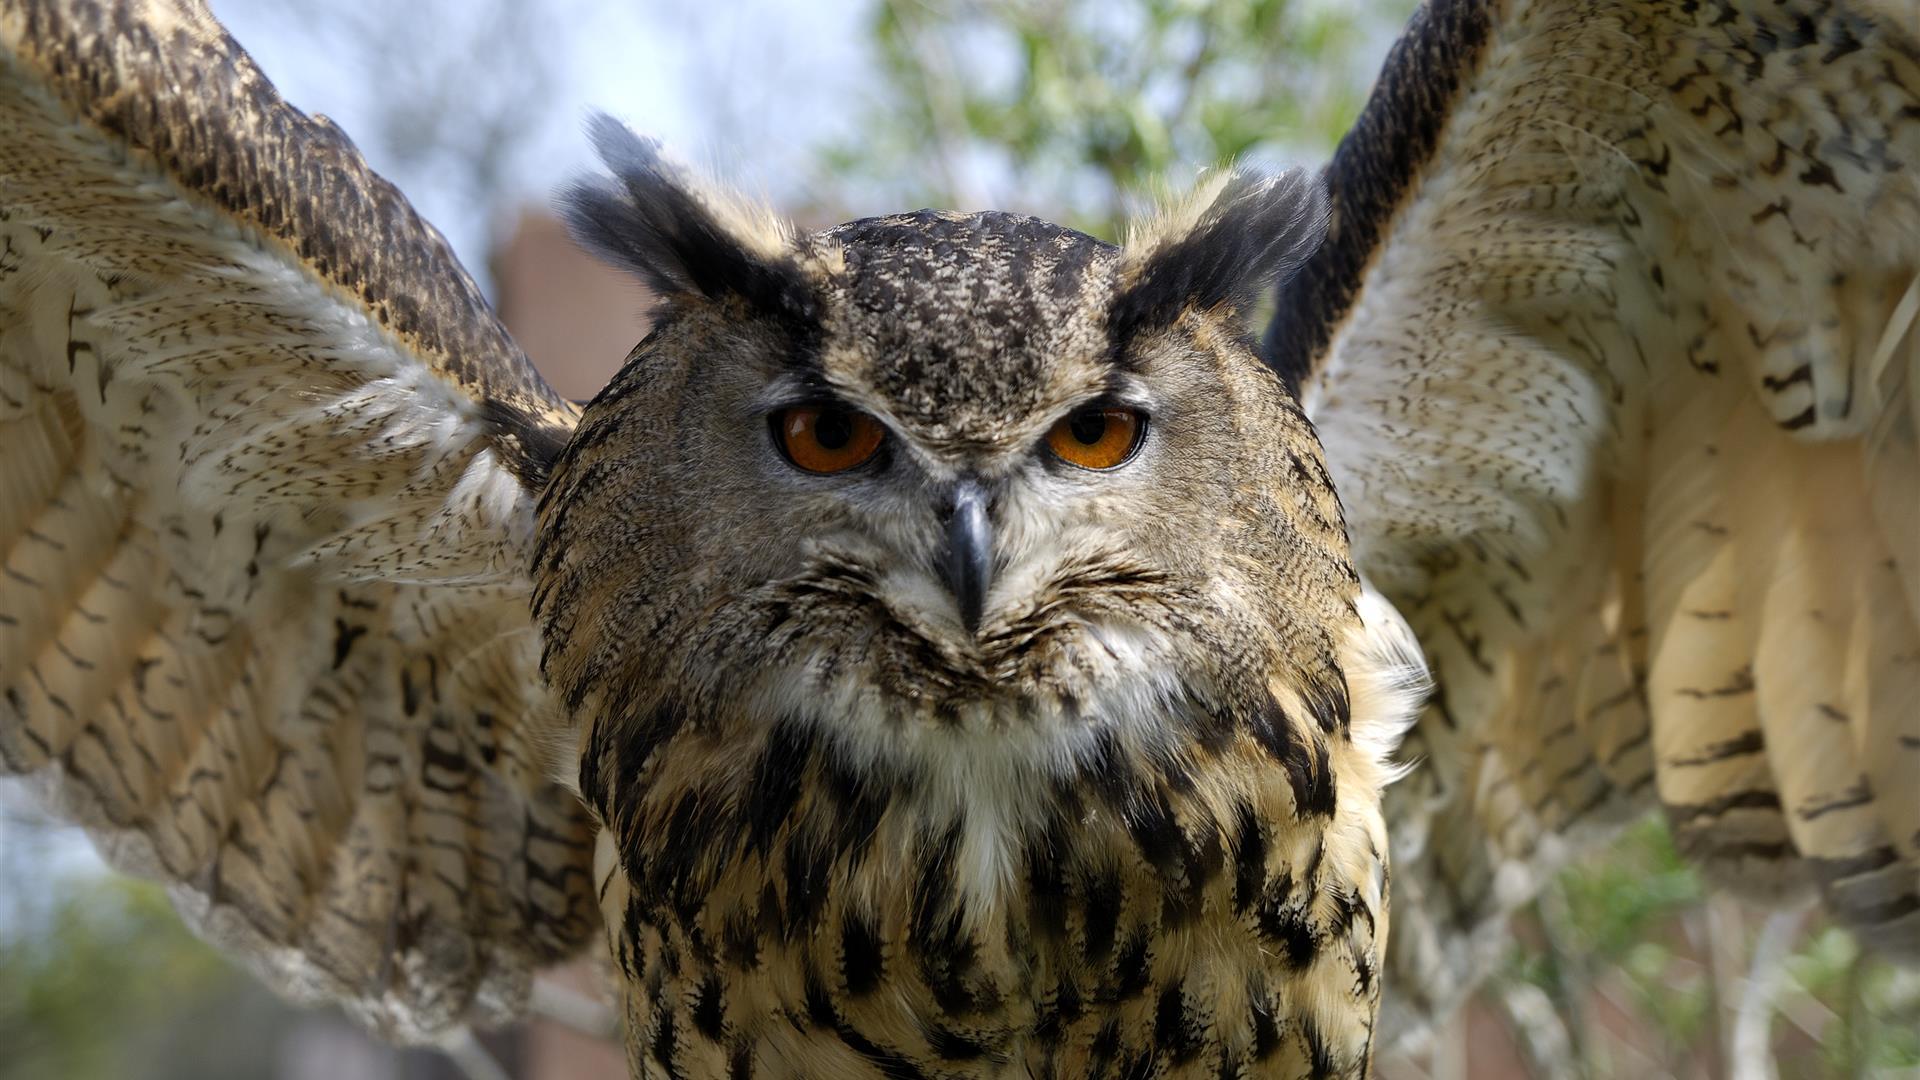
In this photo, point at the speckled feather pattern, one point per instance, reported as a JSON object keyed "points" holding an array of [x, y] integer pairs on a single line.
{"points": [[1128, 827], [163, 78], [1605, 377], [263, 612], [1608, 354]]}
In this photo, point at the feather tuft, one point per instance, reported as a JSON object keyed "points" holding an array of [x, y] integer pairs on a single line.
{"points": [[684, 239], [1234, 236]]}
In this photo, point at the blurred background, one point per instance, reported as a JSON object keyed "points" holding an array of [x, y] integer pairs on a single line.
{"points": [[1077, 110]]}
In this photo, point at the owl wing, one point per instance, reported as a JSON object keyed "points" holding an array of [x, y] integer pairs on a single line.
{"points": [[267, 466], [1611, 349]]}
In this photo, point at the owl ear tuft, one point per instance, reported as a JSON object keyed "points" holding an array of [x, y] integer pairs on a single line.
{"points": [[683, 239], [1227, 242]]}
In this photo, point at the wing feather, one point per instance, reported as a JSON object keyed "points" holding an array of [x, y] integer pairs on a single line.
{"points": [[1612, 352], [267, 470]]}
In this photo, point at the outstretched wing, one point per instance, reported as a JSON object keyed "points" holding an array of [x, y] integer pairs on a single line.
{"points": [[266, 471], [1611, 351]]}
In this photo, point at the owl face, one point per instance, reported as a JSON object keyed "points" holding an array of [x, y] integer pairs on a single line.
{"points": [[948, 472], [915, 565]]}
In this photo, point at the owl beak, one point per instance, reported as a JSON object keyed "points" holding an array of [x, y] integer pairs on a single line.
{"points": [[969, 552]]}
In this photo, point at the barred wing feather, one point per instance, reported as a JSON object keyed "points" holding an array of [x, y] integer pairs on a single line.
{"points": [[267, 465], [1612, 350]]}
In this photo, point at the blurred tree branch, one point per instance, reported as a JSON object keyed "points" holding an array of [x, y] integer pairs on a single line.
{"points": [[1044, 104]]}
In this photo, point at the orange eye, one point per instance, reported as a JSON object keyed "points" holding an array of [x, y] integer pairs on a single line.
{"points": [[826, 439], [1097, 438]]}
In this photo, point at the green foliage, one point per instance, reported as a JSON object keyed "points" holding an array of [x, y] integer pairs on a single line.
{"points": [[1613, 918], [1614, 904], [1641, 966], [1875, 1029], [1048, 104], [96, 967]]}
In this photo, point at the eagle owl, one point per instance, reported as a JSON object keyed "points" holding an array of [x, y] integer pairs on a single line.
{"points": [[952, 645]]}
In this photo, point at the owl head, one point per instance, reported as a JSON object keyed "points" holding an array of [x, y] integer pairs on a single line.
{"points": [[949, 491]]}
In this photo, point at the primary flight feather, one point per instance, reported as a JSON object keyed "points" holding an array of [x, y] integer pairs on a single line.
{"points": [[973, 655], [269, 471], [1611, 351]]}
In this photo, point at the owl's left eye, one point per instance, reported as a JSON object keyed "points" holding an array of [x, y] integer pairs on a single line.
{"points": [[825, 439], [1097, 438]]}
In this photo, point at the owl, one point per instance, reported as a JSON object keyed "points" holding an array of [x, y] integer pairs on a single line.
{"points": [[954, 645]]}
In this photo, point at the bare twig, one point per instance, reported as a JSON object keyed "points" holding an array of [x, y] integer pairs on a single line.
{"points": [[1615, 1053], [1854, 1017], [465, 1051], [1585, 1033], [1544, 1038], [1448, 1049], [568, 1007], [1750, 1051], [1806, 1012], [1725, 946]]}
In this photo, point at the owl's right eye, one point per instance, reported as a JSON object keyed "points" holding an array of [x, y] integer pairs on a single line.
{"points": [[1097, 438], [825, 439]]}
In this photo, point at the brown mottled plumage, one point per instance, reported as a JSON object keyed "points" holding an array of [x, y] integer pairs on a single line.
{"points": [[1606, 367], [263, 611], [1131, 821]]}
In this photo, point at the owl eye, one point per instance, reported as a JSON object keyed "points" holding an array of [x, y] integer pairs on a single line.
{"points": [[826, 439], [1097, 438]]}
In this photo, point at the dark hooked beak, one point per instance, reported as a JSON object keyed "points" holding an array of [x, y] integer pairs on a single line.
{"points": [[969, 552]]}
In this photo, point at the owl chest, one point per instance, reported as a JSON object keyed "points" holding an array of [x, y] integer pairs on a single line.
{"points": [[849, 942]]}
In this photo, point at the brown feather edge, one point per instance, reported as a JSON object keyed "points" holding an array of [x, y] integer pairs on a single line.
{"points": [[1375, 172], [165, 78]]}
